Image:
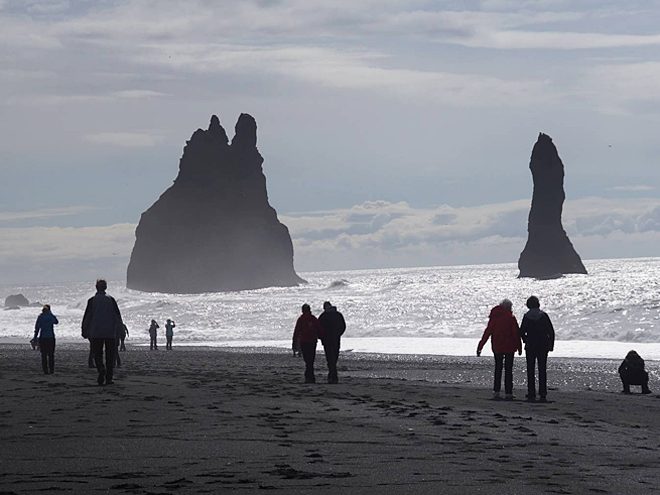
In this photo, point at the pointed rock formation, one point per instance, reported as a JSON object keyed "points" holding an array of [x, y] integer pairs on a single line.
{"points": [[548, 252], [213, 229]]}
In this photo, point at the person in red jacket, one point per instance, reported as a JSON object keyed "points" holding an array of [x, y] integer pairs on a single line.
{"points": [[503, 331], [307, 331]]}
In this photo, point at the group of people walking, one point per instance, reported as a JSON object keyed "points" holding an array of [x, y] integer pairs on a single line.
{"points": [[102, 325], [538, 335], [329, 327]]}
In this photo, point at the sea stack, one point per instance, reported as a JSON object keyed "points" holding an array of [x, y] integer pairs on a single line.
{"points": [[548, 252], [213, 230]]}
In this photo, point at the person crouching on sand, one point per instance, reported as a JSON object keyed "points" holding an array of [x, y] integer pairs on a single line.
{"points": [[503, 330], [306, 333], [43, 330], [538, 334], [632, 372]]}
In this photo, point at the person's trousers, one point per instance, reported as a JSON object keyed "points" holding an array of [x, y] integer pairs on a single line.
{"points": [[47, 347], [331, 349], [534, 356], [504, 360], [117, 357], [97, 349], [168, 345], [308, 350], [629, 378], [153, 344], [90, 358]]}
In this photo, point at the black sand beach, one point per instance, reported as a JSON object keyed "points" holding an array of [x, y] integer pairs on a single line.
{"points": [[200, 420]]}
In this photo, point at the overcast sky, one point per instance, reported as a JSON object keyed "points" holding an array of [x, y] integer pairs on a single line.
{"points": [[394, 133]]}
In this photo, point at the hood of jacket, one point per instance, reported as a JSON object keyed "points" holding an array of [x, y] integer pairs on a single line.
{"points": [[534, 314]]}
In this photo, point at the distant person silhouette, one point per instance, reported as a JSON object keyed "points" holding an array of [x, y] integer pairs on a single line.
{"points": [[632, 372], [333, 325], [43, 330], [538, 334], [102, 325], [169, 333], [153, 335], [122, 335], [306, 333], [505, 341]]}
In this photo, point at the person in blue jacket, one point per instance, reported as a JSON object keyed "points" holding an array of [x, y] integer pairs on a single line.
{"points": [[43, 330]]}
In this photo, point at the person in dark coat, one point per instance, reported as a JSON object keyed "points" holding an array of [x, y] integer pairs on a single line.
{"points": [[503, 331], [306, 334], [169, 333], [101, 325], [632, 372], [153, 335], [538, 334], [43, 330], [334, 326]]}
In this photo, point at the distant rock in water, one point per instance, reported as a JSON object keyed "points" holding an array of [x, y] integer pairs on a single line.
{"points": [[16, 301], [213, 230], [548, 252]]}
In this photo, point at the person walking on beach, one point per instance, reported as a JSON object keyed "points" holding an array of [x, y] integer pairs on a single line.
{"points": [[101, 324], [306, 333], [333, 325], [122, 336], [153, 334], [632, 372], [538, 334], [505, 340], [43, 330], [169, 334]]}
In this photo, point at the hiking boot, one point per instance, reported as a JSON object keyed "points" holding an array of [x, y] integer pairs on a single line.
{"points": [[646, 391], [509, 397], [496, 394], [530, 398], [543, 399], [101, 379]]}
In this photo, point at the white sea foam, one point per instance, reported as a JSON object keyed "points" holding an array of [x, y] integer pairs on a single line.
{"points": [[618, 301]]}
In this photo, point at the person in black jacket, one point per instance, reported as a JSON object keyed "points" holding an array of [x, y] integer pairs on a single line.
{"points": [[632, 372], [538, 334], [101, 325], [334, 326]]}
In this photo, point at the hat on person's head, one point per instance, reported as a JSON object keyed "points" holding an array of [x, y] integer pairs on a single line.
{"points": [[326, 305], [306, 308]]}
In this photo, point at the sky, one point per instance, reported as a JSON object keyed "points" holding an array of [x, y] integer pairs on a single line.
{"points": [[395, 133]]}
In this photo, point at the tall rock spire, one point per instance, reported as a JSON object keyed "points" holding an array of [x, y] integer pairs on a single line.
{"points": [[548, 251], [213, 229]]}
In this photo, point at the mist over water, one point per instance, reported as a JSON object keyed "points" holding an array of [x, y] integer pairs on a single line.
{"points": [[618, 301]]}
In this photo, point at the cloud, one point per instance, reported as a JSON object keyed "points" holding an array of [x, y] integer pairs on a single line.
{"points": [[57, 244], [125, 139], [9, 216], [638, 188], [623, 88], [374, 234]]}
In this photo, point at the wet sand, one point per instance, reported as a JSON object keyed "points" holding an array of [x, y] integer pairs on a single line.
{"points": [[241, 421]]}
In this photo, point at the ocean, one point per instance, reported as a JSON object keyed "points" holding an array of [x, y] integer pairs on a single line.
{"points": [[433, 310]]}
